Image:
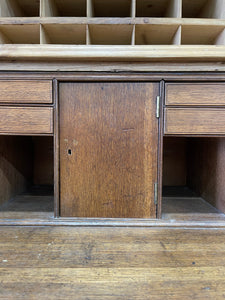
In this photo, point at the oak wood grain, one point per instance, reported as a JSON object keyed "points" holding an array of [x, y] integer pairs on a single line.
{"points": [[111, 263], [195, 94], [26, 120], [108, 149], [25, 91], [194, 121]]}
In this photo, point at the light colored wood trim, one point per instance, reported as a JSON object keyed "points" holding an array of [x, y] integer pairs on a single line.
{"points": [[177, 37], [174, 9], [90, 9], [114, 53], [48, 8], [109, 66], [133, 8]]}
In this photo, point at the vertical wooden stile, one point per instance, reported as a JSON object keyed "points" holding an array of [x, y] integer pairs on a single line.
{"points": [[90, 9], [177, 37], [48, 8], [174, 9], [133, 8]]}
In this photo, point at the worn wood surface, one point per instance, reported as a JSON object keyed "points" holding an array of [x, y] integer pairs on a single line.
{"points": [[108, 149], [194, 121], [191, 94], [24, 91], [111, 263], [15, 165], [189, 209], [26, 120], [207, 169]]}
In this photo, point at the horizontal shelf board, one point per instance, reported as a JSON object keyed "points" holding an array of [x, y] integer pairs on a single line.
{"points": [[115, 53], [133, 21]]}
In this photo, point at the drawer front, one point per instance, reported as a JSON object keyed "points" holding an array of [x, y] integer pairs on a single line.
{"points": [[26, 120], [194, 121], [195, 94], [26, 91]]}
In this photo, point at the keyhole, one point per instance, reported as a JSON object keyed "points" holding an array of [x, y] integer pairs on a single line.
{"points": [[69, 151]]}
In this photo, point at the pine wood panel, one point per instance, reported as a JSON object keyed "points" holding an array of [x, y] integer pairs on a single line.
{"points": [[195, 94], [26, 120], [194, 121], [108, 149], [25, 91], [111, 263]]}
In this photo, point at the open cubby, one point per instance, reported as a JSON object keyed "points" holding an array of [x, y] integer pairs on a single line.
{"points": [[63, 8], [19, 34], [64, 34], [213, 9], [147, 34], [193, 178], [107, 8], [158, 8], [202, 35], [110, 34], [19, 8], [27, 174]]}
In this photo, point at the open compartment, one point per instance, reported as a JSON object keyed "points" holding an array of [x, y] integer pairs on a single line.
{"points": [[19, 8], [20, 34], [109, 9], [63, 8], [26, 177], [64, 34], [193, 178], [202, 35], [148, 34], [214, 9], [158, 8], [115, 34]]}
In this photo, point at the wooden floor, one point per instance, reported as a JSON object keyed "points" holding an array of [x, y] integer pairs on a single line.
{"points": [[55, 262]]}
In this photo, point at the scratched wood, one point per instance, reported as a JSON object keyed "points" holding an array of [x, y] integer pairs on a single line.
{"points": [[108, 149], [111, 263]]}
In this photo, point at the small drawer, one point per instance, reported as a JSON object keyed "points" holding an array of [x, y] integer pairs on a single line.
{"points": [[26, 120], [202, 94], [194, 121], [26, 91]]}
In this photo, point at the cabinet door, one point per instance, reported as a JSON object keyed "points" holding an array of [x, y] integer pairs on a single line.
{"points": [[108, 149]]}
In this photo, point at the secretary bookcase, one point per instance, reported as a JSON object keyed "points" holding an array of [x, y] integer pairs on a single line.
{"points": [[103, 117]]}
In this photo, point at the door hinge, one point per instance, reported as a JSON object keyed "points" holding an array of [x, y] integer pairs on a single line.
{"points": [[156, 193], [158, 107]]}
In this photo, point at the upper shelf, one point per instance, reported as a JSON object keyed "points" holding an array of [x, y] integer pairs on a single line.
{"points": [[214, 9], [130, 27]]}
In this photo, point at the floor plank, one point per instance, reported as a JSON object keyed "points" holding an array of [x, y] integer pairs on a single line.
{"points": [[111, 263]]}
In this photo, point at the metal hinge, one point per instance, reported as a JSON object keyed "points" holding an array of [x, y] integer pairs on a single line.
{"points": [[158, 107], [156, 193]]}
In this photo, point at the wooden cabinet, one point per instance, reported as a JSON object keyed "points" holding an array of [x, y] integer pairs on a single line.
{"points": [[120, 149], [108, 149]]}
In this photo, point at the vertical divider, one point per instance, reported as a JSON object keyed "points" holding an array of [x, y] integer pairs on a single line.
{"points": [[90, 9], [88, 37], [220, 40], [44, 38], [4, 39], [174, 9], [48, 9], [133, 36], [133, 8], [214, 9], [177, 37]]}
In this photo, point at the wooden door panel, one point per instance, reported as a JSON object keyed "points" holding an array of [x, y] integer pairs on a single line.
{"points": [[108, 149]]}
